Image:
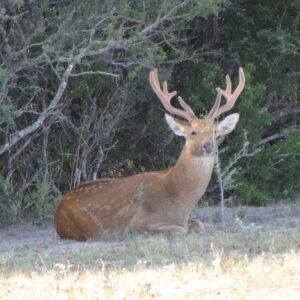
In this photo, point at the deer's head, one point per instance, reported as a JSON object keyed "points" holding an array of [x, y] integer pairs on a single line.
{"points": [[200, 134]]}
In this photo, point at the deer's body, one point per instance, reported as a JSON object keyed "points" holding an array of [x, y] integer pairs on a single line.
{"points": [[144, 202], [152, 201]]}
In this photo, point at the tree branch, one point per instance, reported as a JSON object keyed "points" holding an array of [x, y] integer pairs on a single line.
{"points": [[95, 73], [16, 137], [171, 13], [271, 138]]}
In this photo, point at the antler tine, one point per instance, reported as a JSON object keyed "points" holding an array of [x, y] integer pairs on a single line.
{"points": [[230, 98], [165, 97], [216, 105], [186, 107]]}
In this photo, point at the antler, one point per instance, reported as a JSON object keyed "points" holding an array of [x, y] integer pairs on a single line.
{"points": [[230, 98], [165, 97]]}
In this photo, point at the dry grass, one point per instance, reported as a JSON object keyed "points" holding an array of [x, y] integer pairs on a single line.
{"points": [[260, 278], [257, 257]]}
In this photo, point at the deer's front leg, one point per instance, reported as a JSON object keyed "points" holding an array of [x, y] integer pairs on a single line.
{"points": [[170, 228]]}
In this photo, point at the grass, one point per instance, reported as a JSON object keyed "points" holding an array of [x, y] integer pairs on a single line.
{"points": [[250, 260]]}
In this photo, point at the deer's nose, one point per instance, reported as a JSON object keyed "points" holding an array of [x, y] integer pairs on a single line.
{"points": [[208, 147]]}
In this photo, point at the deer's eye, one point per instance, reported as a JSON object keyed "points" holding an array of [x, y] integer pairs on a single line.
{"points": [[193, 132]]}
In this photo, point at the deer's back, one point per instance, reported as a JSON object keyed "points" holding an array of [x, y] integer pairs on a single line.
{"points": [[103, 205]]}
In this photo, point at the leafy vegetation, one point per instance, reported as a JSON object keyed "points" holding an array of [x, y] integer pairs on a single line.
{"points": [[75, 102]]}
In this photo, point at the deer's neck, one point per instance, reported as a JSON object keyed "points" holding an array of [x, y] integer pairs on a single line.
{"points": [[192, 174]]}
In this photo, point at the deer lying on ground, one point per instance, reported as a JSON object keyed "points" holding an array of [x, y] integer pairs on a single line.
{"points": [[153, 201]]}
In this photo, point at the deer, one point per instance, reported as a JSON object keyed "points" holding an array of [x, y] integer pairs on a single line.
{"points": [[155, 201]]}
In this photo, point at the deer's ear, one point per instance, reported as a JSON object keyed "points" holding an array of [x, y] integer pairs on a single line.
{"points": [[227, 125], [177, 126]]}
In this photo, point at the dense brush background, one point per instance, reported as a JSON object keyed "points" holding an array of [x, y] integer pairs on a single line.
{"points": [[75, 102]]}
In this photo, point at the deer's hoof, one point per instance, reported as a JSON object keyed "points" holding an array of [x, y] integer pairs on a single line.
{"points": [[196, 225]]}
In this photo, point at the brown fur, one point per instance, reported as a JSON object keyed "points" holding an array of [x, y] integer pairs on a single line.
{"points": [[153, 201]]}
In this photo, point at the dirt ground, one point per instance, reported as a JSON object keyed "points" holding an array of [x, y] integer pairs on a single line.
{"points": [[282, 217]]}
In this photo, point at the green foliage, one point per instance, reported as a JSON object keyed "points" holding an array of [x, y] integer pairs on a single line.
{"points": [[278, 163], [37, 205], [200, 90], [105, 125], [40, 202], [9, 202], [8, 115], [265, 42], [2, 77]]}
